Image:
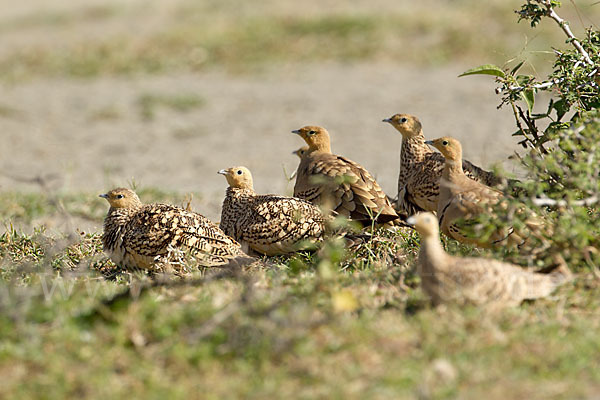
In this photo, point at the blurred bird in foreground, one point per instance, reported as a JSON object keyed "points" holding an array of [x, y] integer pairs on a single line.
{"points": [[478, 281]]}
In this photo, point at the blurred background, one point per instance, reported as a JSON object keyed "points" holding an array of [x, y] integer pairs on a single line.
{"points": [[163, 94]]}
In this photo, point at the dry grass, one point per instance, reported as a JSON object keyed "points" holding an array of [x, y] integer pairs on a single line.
{"points": [[330, 324]]}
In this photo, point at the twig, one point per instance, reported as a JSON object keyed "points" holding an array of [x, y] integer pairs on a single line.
{"points": [[564, 25], [562, 203], [543, 85]]}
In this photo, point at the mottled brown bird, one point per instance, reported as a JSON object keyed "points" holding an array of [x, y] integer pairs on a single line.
{"points": [[268, 224], [301, 152], [478, 281], [338, 184], [136, 235], [463, 198], [421, 168]]}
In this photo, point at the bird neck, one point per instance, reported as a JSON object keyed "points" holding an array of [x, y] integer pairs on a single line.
{"points": [[452, 168], [431, 254], [125, 211], [414, 149], [240, 192], [321, 148]]}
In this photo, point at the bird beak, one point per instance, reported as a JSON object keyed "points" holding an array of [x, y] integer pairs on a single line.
{"points": [[222, 172], [104, 195], [296, 131], [429, 142], [412, 220], [294, 152], [388, 120]]}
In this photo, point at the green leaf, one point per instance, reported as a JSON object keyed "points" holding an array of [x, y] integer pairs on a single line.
{"points": [[515, 69], [561, 108], [523, 79], [528, 97], [486, 69]]}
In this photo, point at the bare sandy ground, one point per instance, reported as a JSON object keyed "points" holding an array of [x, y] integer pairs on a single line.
{"points": [[92, 135]]}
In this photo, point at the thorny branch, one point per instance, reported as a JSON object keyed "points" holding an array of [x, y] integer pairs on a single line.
{"points": [[544, 201], [564, 25]]}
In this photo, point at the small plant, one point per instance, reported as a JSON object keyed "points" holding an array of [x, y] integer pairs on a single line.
{"points": [[562, 188], [573, 82]]}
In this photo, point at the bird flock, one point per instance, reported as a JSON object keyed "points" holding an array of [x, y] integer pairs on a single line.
{"points": [[436, 190]]}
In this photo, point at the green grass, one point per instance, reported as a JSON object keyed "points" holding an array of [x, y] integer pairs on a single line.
{"points": [[330, 324], [222, 36], [23, 208]]}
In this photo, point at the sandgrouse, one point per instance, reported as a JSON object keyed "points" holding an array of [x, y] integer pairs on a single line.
{"points": [[338, 184], [463, 198], [301, 152], [268, 224], [136, 234], [478, 281], [421, 168]]}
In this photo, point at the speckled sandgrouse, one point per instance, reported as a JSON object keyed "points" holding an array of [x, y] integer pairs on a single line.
{"points": [[336, 183], [421, 168], [136, 234], [478, 281], [268, 224]]}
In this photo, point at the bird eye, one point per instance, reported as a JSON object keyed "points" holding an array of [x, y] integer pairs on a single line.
{"points": [[239, 171], [119, 196], [403, 119], [312, 132], [445, 143]]}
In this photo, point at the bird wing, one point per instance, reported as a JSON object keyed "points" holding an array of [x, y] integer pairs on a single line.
{"points": [[280, 223], [367, 199], [157, 226]]}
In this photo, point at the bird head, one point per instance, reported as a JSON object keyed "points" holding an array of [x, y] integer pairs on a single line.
{"points": [[301, 152], [238, 177], [316, 137], [408, 125], [449, 147], [425, 223], [122, 198]]}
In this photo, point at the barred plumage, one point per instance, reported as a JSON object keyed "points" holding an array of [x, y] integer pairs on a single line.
{"points": [[268, 224], [136, 235], [338, 184], [478, 281], [421, 169]]}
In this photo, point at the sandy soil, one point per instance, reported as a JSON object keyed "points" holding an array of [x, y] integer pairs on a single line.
{"points": [[93, 136]]}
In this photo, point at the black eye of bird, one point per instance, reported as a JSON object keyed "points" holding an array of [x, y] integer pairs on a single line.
{"points": [[239, 172], [312, 132], [403, 120], [119, 196], [445, 143]]}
